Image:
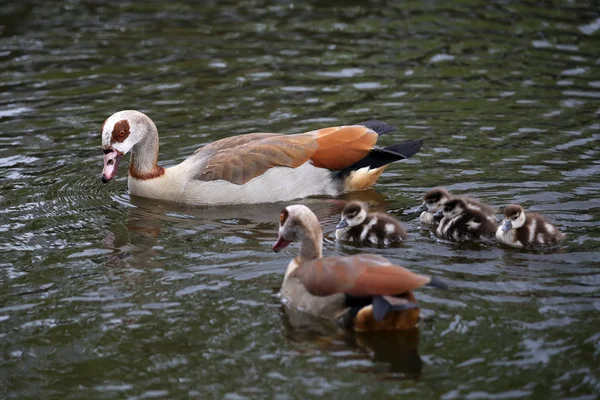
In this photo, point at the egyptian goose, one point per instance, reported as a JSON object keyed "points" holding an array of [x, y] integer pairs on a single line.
{"points": [[434, 200], [526, 230], [363, 291], [251, 168], [461, 223], [359, 226]]}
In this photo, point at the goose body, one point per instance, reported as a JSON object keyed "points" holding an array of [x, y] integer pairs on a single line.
{"points": [[359, 226], [251, 168], [363, 291], [461, 223], [434, 200], [526, 230]]}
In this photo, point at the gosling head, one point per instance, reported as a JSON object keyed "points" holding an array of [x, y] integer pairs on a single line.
{"points": [[514, 217], [434, 199], [353, 214], [452, 208]]}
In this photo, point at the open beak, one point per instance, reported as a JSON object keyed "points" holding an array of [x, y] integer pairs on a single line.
{"points": [[343, 223], [111, 162], [506, 226], [421, 208], [281, 243]]}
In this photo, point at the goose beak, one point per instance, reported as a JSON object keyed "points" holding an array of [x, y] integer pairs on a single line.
{"points": [[343, 223], [506, 226], [438, 215], [281, 243], [421, 208], [111, 162]]}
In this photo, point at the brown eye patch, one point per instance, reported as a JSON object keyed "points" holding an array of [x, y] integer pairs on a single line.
{"points": [[120, 131], [283, 216]]}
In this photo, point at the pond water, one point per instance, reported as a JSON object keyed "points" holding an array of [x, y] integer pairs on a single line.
{"points": [[104, 295]]}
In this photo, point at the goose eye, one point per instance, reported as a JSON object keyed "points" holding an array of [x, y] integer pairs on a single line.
{"points": [[121, 134], [515, 217]]}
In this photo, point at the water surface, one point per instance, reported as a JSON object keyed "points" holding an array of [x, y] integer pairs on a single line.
{"points": [[105, 295]]}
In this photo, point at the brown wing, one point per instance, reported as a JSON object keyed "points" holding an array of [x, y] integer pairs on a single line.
{"points": [[241, 162], [239, 159], [340, 147], [358, 275], [234, 141]]}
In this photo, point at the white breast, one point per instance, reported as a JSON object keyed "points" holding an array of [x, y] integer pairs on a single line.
{"points": [[276, 184], [426, 217], [507, 238]]}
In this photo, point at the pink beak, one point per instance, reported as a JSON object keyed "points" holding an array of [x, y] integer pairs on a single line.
{"points": [[111, 162], [280, 244]]}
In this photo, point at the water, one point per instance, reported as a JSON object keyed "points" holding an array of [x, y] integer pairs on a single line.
{"points": [[104, 295]]}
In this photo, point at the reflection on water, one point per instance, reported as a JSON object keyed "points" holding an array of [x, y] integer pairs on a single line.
{"points": [[107, 295], [376, 352]]}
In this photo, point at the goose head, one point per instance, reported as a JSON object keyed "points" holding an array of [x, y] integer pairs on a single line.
{"points": [[514, 217], [353, 214], [297, 223], [121, 132], [434, 199], [452, 208]]}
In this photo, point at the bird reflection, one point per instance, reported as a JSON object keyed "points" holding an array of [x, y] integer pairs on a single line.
{"points": [[135, 243], [394, 353]]}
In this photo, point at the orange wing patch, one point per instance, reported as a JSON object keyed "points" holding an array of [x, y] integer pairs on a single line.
{"points": [[340, 147], [241, 163], [393, 321]]}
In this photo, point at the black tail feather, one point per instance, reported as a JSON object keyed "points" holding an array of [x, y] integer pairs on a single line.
{"points": [[406, 149], [437, 283], [378, 126], [381, 306], [380, 157]]}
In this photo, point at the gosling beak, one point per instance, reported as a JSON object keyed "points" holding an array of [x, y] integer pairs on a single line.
{"points": [[343, 223], [421, 208], [438, 215], [111, 162], [506, 226], [281, 243]]}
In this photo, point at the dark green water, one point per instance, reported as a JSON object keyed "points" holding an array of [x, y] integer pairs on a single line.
{"points": [[107, 296]]}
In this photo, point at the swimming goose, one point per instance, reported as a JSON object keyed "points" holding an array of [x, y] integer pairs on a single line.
{"points": [[359, 226], [251, 168], [362, 291], [434, 200], [526, 230], [461, 223]]}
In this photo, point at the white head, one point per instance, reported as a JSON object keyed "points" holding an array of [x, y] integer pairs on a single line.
{"points": [[297, 223], [514, 217], [120, 133], [353, 214]]}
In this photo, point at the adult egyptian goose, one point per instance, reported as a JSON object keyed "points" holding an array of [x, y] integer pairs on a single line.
{"points": [[434, 200], [461, 223], [526, 230], [363, 291], [251, 168], [359, 226]]}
